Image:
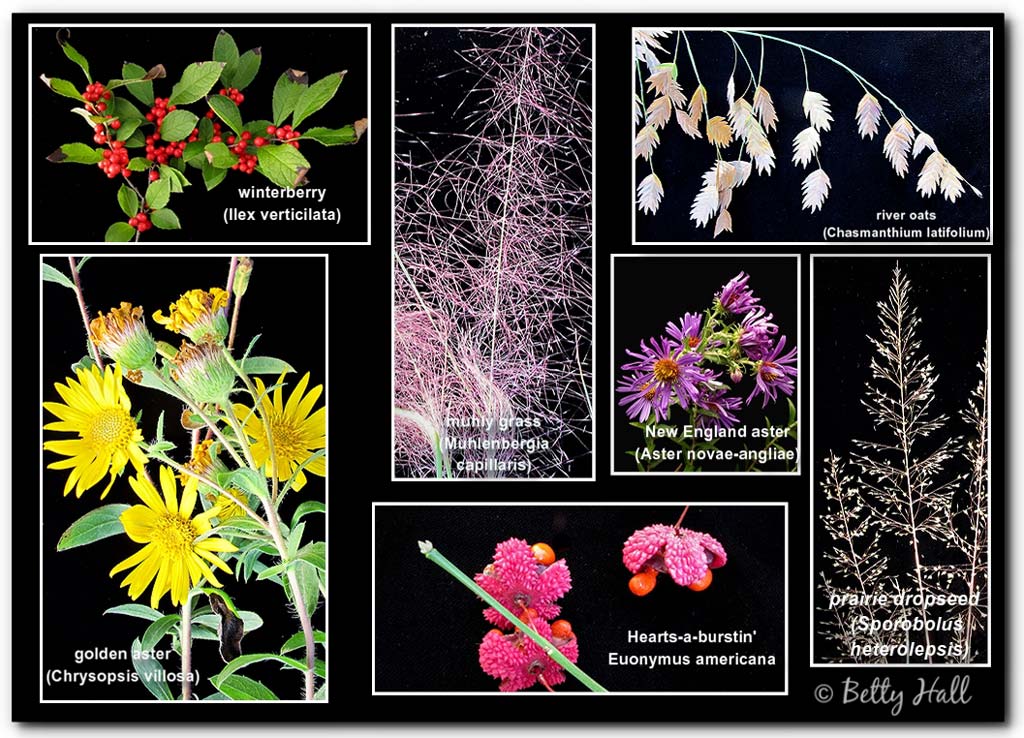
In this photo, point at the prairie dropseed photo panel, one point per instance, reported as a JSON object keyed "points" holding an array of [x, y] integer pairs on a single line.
{"points": [[183, 494], [902, 460], [492, 261], [807, 135]]}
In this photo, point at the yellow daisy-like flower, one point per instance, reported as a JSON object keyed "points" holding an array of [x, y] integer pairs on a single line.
{"points": [[172, 555], [198, 314], [227, 508], [296, 434], [97, 409]]}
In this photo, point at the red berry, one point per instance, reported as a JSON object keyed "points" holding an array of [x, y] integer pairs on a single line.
{"points": [[246, 135], [209, 113], [561, 629], [271, 130], [101, 106], [106, 95], [643, 583], [133, 222], [543, 553], [115, 124], [154, 175], [702, 584], [259, 141]]}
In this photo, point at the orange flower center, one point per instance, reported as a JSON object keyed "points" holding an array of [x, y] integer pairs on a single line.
{"points": [[666, 370]]}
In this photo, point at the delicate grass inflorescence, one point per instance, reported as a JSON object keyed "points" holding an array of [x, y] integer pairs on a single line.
{"points": [[741, 137], [492, 274]]}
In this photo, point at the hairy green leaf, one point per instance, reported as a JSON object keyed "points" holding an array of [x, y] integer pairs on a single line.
{"points": [[95, 525]]}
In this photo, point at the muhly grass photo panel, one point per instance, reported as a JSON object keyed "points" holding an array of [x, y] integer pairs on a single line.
{"points": [[182, 493], [211, 134], [901, 496], [706, 377], [581, 598], [492, 257], [813, 135]]}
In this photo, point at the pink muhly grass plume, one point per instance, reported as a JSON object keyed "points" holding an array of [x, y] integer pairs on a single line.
{"points": [[684, 554], [492, 264], [519, 662], [518, 581]]}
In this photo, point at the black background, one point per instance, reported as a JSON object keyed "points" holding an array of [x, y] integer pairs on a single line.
{"points": [[941, 80], [360, 340], [421, 650], [642, 310], [76, 588], [951, 298], [86, 217]]}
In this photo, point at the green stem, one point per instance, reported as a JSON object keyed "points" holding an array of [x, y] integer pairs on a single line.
{"points": [[432, 554], [258, 407]]}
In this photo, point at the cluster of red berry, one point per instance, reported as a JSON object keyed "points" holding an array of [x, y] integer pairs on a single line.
{"points": [[284, 133], [115, 160], [94, 95], [162, 154], [236, 97], [246, 162], [140, 222], [159, 111]]}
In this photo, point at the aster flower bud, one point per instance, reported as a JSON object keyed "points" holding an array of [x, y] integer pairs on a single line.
{"points": [[122, 335], [242, 274], [200, 315], [735, 374], [203, 372]]}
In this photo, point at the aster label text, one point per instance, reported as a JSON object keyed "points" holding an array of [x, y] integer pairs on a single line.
{"points": [[119, 654]]}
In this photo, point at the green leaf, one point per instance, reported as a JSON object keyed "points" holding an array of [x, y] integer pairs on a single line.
{"points": [[273, 571], [193, 150], [197, 80], [178, 124], [227, 111], [151, 673], [307, 507], [295, 539], [282, 164], [205, 129], [309, 584], [316, 96], [150, 379], [258, 128], [299, 641], [212, 176], [224, 48], [95, 525], [158, 193], [249, 481], [135, 141], [61, 87], [265, 365], [250, 620], [128, 200], [316, 554], [52, 274], [71, 53], [242, 71], [119, 233], [135, 611], [220, 156], [127, 128], [139, 164], [336, 136], [142, 91], [792, 411], [242, 688], [165, 219], [158, 630], [124, 110], [175, 179], [255, 658], [77, 153], [287, 91], [81, 263], [321, 693]]}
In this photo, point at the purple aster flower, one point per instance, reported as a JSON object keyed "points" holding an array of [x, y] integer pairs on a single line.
{"points": [[518, 581], [687, 335], [717, 408], [684, 554], [520, 663], [661, 374], [774, 373], [736, 297], [757, 333]]}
